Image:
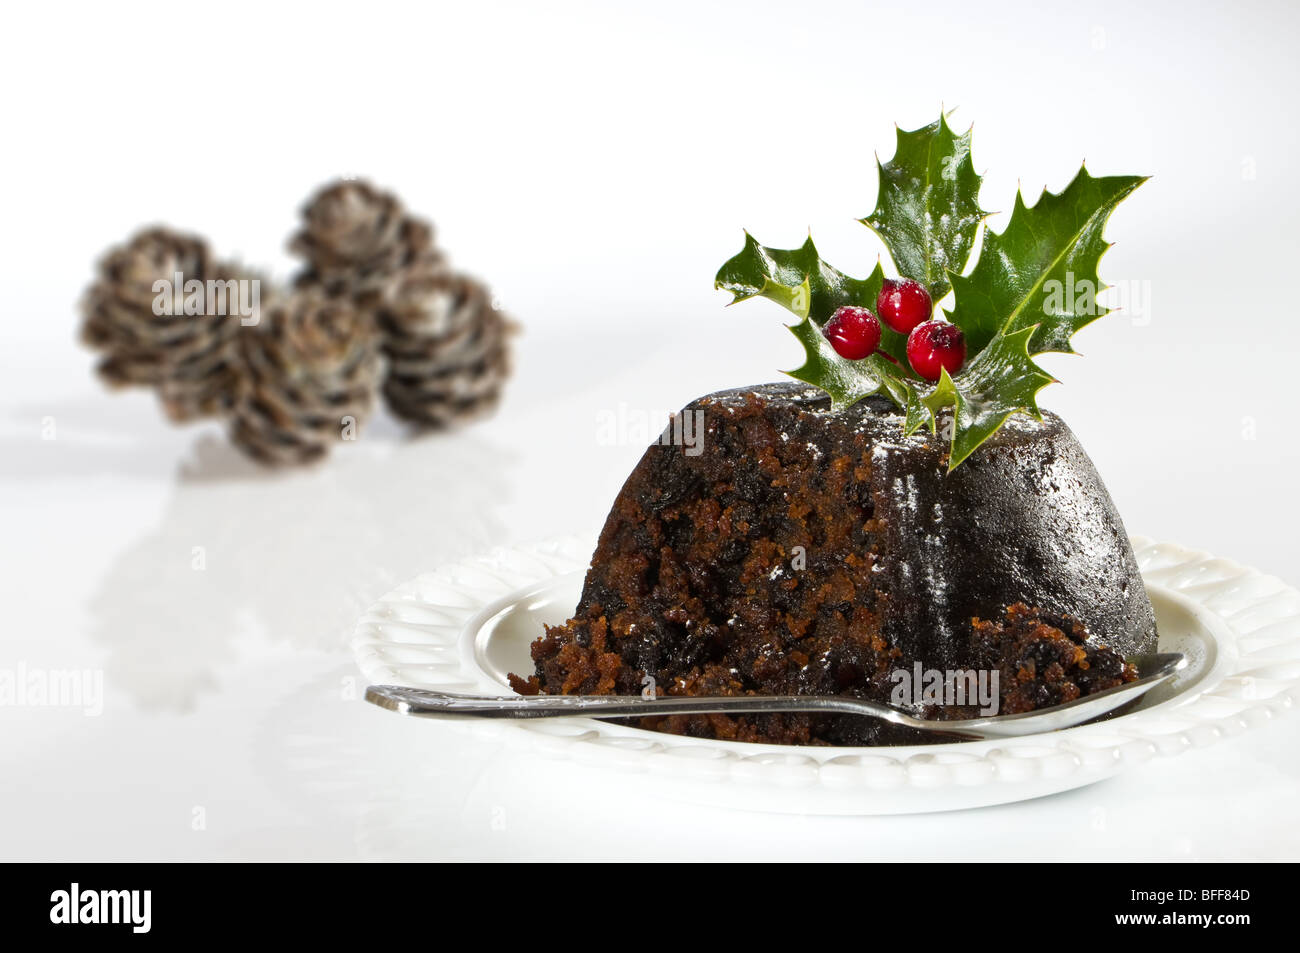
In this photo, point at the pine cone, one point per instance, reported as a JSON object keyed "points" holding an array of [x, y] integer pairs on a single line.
{"points": [[189, 357], [310, 375], [356, 239], [447, 348], [446, 344]]}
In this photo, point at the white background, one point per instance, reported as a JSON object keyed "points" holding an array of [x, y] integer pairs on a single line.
{"points": [[595, 164]]}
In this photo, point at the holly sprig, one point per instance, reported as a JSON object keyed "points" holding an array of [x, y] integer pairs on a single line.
{"points": [[1034, 285]]}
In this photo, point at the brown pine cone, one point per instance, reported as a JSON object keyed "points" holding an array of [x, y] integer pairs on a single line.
{"points": [[189, 357], [356, 238], [447, 348], [310, 375], [446, 344]]}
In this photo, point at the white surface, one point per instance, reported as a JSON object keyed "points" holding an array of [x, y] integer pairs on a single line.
{"points": [[465, 626], [596, 166]]}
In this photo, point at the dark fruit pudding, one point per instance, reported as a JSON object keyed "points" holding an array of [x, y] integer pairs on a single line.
{"points": [[804, 551]]}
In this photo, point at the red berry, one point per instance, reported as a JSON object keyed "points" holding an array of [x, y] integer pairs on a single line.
{"points": [[933, 345], [853, 332], [903, 304]]}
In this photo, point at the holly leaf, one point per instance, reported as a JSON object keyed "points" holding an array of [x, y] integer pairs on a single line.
{"points": [[799, 281], [1000, 381], [1033, 287], [1042, 269], [927, 207]]}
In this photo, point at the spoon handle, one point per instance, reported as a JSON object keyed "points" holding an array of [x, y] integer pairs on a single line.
{"points": [[425, 702]]}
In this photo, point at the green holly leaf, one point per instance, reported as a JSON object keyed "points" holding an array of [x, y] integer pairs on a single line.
{"points": [[803, 284], [1042, 269], [927, 208], [1033, 287], [1000, 381]]}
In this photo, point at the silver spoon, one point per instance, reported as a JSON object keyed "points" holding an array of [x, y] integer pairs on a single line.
{"points": [[1152, 670]]}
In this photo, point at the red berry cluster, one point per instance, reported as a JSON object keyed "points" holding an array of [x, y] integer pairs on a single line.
{"points": [[932, 343]]}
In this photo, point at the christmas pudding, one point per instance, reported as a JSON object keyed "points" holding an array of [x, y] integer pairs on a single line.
{"points": [[901, 522]]}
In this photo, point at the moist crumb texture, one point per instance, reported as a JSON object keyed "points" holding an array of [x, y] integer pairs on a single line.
{"points": [[804, 552], [1043, 661]]}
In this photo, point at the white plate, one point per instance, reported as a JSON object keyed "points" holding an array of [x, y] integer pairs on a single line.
{"points": [[463, 626]]}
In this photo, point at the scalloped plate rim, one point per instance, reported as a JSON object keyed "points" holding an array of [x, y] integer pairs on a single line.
{"points": [[848, 780]]}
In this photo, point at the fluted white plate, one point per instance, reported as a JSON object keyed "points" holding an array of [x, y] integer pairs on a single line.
{"points": [[464, 626]]}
